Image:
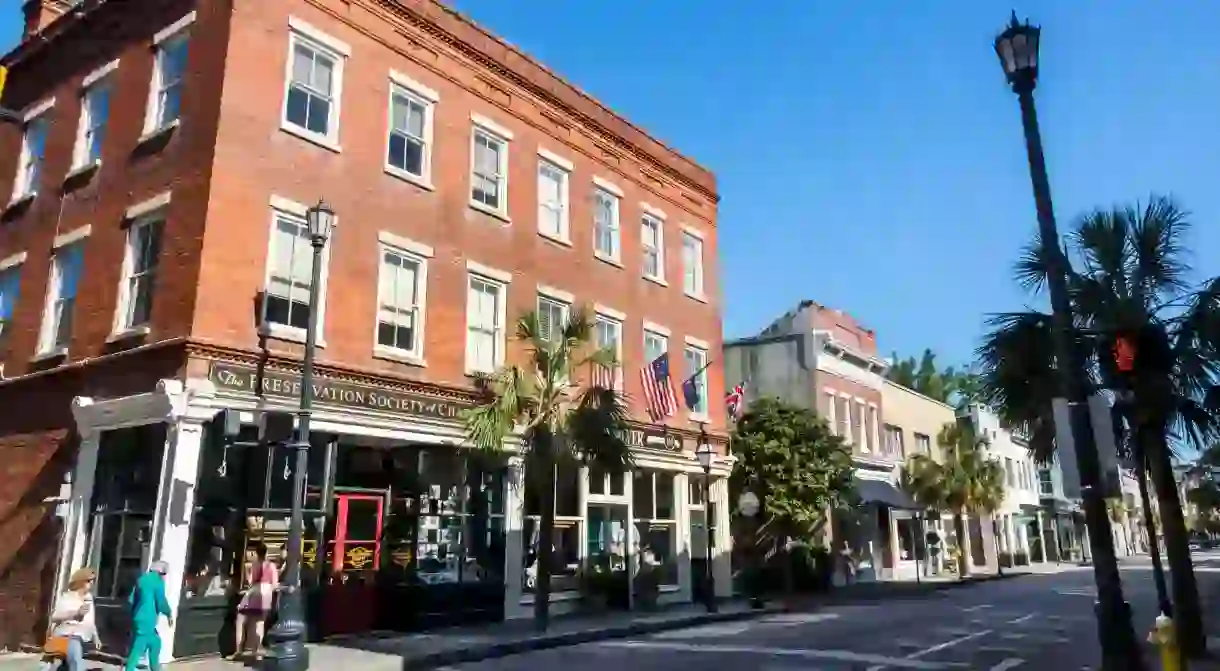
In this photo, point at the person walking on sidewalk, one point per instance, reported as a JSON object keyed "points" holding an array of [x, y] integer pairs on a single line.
{"points": [[72, 624], [257, 602], [148, 604]]}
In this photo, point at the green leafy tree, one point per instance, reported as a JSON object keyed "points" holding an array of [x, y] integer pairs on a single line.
{"points": [[1129, 277], [1205, 498], [557, 419], [959, 388], [964, 481], [798, 468]]}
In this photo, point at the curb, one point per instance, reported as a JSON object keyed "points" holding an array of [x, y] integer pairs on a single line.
{"points": [[544, 642]]}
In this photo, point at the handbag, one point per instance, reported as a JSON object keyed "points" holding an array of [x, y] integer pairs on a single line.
{"points": [[56, 646]]}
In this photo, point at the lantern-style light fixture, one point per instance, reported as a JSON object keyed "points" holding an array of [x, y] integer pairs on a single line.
{"points": [[1017, 48], [705, 454], [321, 221]]}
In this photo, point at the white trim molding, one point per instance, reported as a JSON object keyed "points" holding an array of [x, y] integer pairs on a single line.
{"points": [[558, 160], [426, 92], [694, 232], [698, 342], [656, 328], [491, 126], [308, 30], [489, 272], [653, 210], [65, 239], [609, 312], [149, 205], [608, 186], [13, 260], [287, 205], [174, 28], [37, 110], [558, 294], [92, 78], [405, 244]]}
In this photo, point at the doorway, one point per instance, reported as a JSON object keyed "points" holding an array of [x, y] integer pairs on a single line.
{"points": [[354, 555], [609, 557]]}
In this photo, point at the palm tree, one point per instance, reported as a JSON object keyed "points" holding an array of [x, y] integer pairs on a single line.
{"points": [[556, 419], [966, 480], [1131, 279]]}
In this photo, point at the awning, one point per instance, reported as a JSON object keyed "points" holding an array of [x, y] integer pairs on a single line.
{"points": [[885, 493]]}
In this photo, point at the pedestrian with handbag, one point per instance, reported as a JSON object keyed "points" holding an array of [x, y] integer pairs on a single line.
{"points": [[148, 604], [262, 577], [72, 624]]}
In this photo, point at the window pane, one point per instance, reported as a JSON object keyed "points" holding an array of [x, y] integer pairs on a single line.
{"points": [[665, 496], [565, 543], [567, 490], [302, 64], [641, 495], [323, 75], [297, 108]]}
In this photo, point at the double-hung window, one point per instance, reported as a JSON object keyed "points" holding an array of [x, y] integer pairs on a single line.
{"points": [[609, 334], [485, 315], [606, 243], [94, 114], [655, 344], [409, 152], [289, 276], [314, 86], [140, 272], [10, 286], [553, 200], [169, 75], [652, 243], [552, 318], [61, 298], [696, 372], [489, 167], [33, 150], [656, 524], [400, 302], [692, 264]]}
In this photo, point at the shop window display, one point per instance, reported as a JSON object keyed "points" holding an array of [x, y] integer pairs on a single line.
{"points": [[656, 528], [565, 571]]}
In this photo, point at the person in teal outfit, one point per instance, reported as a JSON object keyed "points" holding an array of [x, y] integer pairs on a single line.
{"points": [[148, 604]]}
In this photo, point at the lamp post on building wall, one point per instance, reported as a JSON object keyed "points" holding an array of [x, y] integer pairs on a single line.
{"points": [[707, 456], [287, 637], [1017, 48]]}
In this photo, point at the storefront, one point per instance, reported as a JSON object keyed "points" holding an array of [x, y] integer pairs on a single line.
{"points": [[400, 515]]}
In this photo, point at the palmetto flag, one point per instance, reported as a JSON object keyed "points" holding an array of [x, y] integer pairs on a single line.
{"points": [[658, 389]]}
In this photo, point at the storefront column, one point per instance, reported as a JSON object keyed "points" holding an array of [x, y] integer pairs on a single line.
{"points": [[514, 541], [1041, 538], [74, 544], [722, 562], [685, 542]]}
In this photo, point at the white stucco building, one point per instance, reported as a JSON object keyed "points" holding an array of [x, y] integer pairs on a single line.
{"points": [[1019, 512]]}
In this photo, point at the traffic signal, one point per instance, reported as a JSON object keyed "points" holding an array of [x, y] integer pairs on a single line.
{"points": [[1141, 353], [1124, 354]]}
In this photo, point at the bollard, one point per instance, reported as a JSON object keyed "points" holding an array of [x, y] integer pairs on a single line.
{"points": [[1164, 637]]}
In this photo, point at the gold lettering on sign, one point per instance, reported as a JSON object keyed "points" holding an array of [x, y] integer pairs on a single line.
{"points": [[358, 557]]}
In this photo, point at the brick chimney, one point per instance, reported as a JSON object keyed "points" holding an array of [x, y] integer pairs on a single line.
{"points": [[41, 13]]}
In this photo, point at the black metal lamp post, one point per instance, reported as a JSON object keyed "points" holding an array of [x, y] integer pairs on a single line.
{"points": [[287, 651], [1017, 48], [707, 456]]}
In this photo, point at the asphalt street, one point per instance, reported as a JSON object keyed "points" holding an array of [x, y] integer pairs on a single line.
{"points": [[1041, 622]]}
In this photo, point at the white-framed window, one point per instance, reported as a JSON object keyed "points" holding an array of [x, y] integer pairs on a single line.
{"points": [[654, 506], [696, 371], [400, 302], [409, 148], [290, 276], [94, 114], [894, 441], [606, 237], [870, 429], [140, 272], [655, 344], [169, 74], [485, 316], [552, 317], [692, 264], [314, 85], [843, 418], [489, 170], [608, 331], [553, 182], [923, 443], [10, 288], [652, 245], [33, 151], [61, 298], [857, 426]]}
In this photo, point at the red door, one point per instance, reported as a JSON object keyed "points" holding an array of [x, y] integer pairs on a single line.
{"points": [[355, 554]]}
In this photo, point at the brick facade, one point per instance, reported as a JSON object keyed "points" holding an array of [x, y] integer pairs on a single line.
{"points": [[228, 157]]}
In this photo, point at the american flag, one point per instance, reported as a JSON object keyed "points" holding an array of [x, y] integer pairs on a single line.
{"points": [[658, 389], [603, 376], [735, 401]]}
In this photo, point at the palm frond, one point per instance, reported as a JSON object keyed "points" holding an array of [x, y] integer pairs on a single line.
{"points": [[510, 397], [1032, 267], [596, 427], [1157, 231]]}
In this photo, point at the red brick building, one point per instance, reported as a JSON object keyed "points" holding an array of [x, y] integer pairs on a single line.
{"points": [[154, 271]]}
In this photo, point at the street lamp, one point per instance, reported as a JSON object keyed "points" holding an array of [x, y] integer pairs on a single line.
{"points": [[1017, 48], [707, 456], [749, 507], [287, 637]]}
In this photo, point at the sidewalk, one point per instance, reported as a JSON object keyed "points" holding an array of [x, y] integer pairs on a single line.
{"points": [[388, 651]]}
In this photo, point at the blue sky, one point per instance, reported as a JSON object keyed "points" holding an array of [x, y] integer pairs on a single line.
{"points": [[869, 154]]}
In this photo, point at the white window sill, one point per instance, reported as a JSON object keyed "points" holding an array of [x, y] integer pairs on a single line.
{"points": [[399, 356], [487, 209], [158, 132], [565, 241], [700, 418], [126, 333], [471, 372], [53, 353], [23, 199], [607, 259], [699, 297], [83, 170], [417, 180], [311, 137], [288, 333], [657, 280]]}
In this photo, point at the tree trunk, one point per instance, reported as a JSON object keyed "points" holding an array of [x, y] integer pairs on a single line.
{"points": [[545, 478], [963, 551], [1187, 615]]}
